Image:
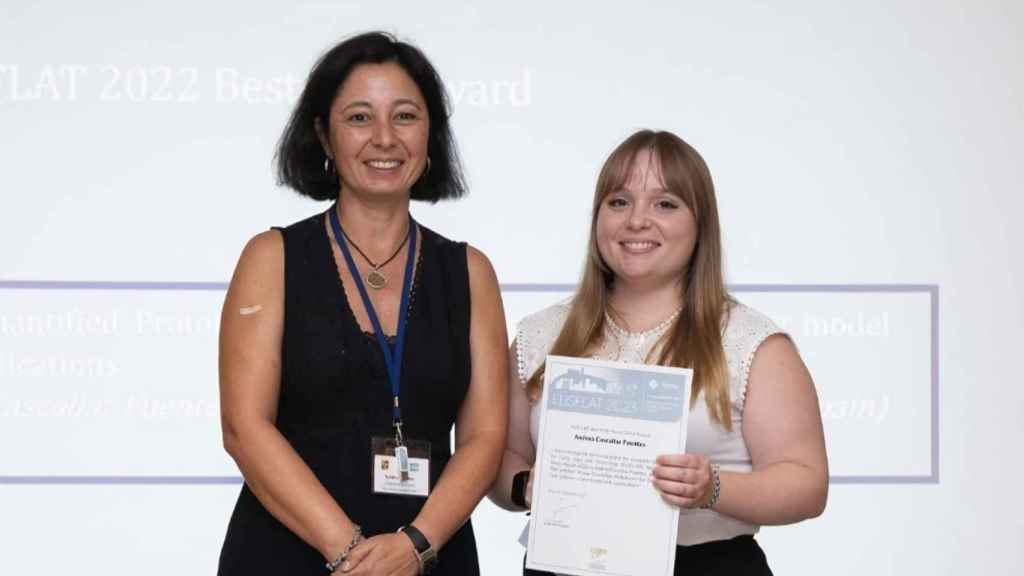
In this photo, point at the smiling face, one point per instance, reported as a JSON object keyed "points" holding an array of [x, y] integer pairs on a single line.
{"points": [[378, 131], [645, 233]]}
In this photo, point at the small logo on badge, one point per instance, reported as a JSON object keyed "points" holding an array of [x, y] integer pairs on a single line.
{"points": [[385, 464]]}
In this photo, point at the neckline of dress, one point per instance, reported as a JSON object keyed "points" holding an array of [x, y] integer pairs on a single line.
{"points": [[656, 330], [340, 283]]}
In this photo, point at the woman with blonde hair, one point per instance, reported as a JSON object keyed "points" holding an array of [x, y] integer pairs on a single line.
{"points": [[653, 292]]}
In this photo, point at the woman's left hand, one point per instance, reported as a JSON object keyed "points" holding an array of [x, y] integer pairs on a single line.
{"points": [[684, 480], [384, 555]]}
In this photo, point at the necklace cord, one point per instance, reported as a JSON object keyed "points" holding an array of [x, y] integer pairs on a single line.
{"points": [[367, 258]]}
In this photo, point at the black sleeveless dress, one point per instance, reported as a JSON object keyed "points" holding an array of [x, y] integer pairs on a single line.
{"points": [[335, 396]]}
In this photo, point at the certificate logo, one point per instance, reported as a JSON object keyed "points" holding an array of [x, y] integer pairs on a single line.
{"points": [[597, 558]]}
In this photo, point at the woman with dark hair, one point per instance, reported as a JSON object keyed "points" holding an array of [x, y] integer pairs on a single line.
{"points": [[653, 292], [352, 341]]}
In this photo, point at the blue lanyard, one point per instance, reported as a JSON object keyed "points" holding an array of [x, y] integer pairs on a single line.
{"points": [[392, 360]]}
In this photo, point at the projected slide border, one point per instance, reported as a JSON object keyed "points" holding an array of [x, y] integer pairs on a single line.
{"points": [[930, 289]]}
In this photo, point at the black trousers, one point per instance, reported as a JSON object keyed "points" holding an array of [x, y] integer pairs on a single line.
{"points": [[740, 556]]}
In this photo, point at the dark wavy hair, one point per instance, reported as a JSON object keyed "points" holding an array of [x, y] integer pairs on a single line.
{"points": [[300, 156]]}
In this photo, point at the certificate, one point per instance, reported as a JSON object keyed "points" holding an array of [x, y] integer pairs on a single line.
{"points": [[594, 509]]}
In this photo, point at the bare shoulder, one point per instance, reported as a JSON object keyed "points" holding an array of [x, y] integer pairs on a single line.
{"points": [[776, 363], [260, 269], [776, 348], [478, 261], [263, 249], [481, 272]]}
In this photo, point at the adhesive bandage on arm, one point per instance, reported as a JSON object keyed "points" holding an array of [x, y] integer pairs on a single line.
{"points": [[248, 310]]}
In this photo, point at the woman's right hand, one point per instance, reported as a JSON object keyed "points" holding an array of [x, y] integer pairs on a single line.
{"points": [[384, 554], [519, 450]]}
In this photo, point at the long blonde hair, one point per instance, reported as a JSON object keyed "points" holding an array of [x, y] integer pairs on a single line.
{"points": [[695, 338]]}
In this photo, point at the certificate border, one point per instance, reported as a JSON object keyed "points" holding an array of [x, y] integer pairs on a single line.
{"points": [[931, 289], [595, 363]]}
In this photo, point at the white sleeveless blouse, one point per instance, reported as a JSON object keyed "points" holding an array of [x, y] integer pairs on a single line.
{"points": [[743, 334]]}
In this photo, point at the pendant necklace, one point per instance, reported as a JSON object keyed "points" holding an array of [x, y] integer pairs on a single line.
{"points": [[374, 278]]}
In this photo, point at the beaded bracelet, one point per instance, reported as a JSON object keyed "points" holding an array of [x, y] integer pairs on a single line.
{"points": [[716, 488], [357, 537]]}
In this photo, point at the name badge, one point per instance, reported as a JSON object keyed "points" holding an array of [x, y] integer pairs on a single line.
{"points": [[400, 470]]}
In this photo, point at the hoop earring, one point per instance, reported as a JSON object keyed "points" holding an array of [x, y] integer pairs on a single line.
{"points": [[328, 166], [428, 165]]}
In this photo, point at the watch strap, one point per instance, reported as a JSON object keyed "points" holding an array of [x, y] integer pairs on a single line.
{"points": [[519, 488], [424, 551]]}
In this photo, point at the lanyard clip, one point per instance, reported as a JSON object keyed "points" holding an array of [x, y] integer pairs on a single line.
{"points": [[401, 452], [399, 438]]}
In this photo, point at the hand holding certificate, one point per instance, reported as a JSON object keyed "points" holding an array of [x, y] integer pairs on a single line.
{"points": [[602, 425]]}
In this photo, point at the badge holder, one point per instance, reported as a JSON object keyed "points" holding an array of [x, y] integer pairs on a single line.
{"points": [[401, 469]]}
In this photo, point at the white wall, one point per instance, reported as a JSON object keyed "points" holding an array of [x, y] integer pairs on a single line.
{"points": [[855, 146]]}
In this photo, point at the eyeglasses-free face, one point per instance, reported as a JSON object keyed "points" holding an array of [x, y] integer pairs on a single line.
{"points": [[645, 233], [378, 131]]}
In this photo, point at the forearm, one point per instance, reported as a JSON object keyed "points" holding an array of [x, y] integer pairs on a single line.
{"points": [[466, 479], [501, 492], [288, 489], [781, 493]]}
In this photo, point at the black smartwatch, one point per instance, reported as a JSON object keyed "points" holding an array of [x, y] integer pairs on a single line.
{"points": [[425, 553], [519, 488]]}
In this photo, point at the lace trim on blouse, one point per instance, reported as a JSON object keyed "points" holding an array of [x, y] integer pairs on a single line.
{"points": [[743, 334]]}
